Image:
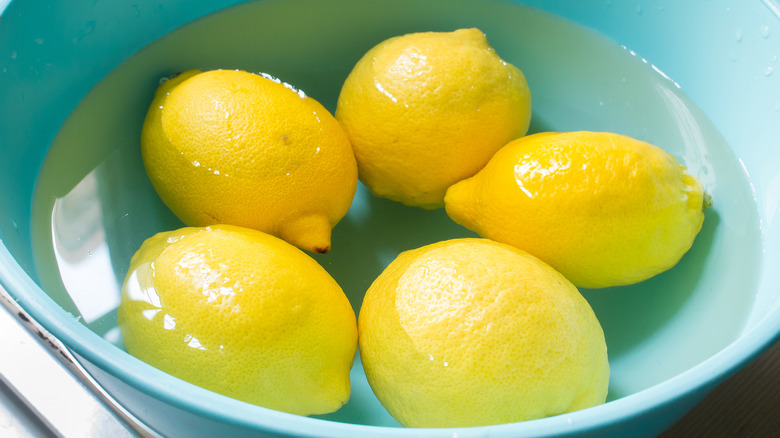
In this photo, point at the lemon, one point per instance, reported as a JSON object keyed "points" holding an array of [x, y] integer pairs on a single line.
{"points": [[241, 313], [603, 209], [425, 110], [471, 332], [228, 146]]}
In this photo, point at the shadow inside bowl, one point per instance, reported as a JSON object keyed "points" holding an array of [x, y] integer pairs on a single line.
{"points": [[632, 314], [374, 232]]}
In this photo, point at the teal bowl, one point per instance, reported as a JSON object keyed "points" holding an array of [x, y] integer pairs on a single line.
{"points": [[698, 78]]}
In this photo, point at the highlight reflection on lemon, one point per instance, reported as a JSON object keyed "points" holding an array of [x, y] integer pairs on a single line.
{"points": [[603, 209], [228, 146], [471, 332], [241, 313], [425, 110]]}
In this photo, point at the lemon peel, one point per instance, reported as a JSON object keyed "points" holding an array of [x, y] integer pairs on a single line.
{"points": [[229, 146], [241, 313], [603, 209], [471, 332], [425, 110]]}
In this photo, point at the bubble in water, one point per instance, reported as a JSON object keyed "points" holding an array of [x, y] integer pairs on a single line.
{"points": [[639, 9], [768, 71], [765, 31], [739, 35]]}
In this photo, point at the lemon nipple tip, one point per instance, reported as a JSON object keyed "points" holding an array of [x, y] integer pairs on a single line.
{"points": [[308, 232]]}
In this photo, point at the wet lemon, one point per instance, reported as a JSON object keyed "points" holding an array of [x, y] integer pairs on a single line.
{"points": [[241, 313], [228, 146], [471, 332], [425, 110], [603, 209]]}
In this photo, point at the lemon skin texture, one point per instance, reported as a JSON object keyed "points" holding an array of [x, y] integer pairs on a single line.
{"points": [[228, 146], [603, 209], [471, 332], [425, 110], [241, 313]]}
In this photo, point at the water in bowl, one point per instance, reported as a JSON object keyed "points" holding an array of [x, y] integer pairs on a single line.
{"points": [[94, 205]]}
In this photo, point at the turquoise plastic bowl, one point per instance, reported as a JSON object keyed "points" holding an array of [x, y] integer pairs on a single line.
{"points": [[671, 339]]}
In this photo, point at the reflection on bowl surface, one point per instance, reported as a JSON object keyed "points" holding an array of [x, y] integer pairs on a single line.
{"points": [[93, 205]]}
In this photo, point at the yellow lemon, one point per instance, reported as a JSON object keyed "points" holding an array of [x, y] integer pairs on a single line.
{"points": [[241, 313], [425, 110], [228, 146], [601, 208], [471, 332]]}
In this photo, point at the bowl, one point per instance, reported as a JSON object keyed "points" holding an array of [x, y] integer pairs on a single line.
{"points": [[696, 78]]}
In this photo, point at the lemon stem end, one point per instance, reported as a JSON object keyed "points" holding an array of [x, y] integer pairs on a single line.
{"points": [[706, 201], [311, 233]]}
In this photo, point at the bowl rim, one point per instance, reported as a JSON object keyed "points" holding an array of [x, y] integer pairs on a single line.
{"points": [[175, 392]]}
